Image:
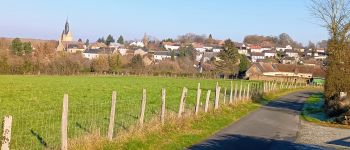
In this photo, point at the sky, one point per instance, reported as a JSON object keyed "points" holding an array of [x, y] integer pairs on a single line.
{"points": [[91, 19]]}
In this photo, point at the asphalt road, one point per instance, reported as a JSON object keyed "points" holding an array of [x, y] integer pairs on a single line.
{"points": [[274, 126]]}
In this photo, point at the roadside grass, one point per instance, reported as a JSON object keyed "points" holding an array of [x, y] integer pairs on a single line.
{"points": [[313, 111], [179, 134]]}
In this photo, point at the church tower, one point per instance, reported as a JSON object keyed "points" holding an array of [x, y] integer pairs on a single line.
{"points": [[65, 38], [66, 34]]}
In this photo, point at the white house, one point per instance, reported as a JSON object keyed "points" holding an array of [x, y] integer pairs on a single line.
{"points": [[200, 49], [140, 52], [257, 56], [284, 48], [122, 51], [269, 53], [292, 53], [115, 45], [91, 53], [94, 53], [171, 47], [256, 49], [162, 55], [266, 48], [217, 50], [138, 44], [207, 56]]}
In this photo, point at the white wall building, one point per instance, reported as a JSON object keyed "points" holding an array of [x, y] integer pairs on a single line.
{"points": [[171, 47], [284, 48], [138, 44], [257, 56]]}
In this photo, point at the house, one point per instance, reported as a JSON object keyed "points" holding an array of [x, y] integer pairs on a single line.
{"points": [[75, 47], [162, 55], [257, 56], [199, 47], [97, 45], [71, 46], [289, 60], [170, 46], [137, 44], [308, 52], [122, 50], [284, 72], [310, 62], [140, 52], [217, 49], [115, 45], [266, 48], [242, 49], [255, 49], [282, 49], [292, 53], [95, 53], [206, 56], [269, 53]]}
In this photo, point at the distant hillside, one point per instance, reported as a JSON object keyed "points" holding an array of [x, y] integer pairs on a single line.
{"points": [[5, 43]]}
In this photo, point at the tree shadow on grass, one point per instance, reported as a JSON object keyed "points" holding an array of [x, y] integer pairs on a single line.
{"points": [[39, 138]]}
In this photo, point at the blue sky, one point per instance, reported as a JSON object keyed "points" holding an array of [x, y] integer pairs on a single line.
{"points": [[233, 19]]}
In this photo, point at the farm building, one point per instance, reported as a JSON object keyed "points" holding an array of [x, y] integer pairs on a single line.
{"points": [[284, 72]]}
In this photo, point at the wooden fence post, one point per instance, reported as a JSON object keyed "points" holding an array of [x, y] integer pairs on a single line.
{"points": [[162, 115], [244, 94], [112, 116], [199, 92], [64, 123], [6, 136], [231, 93], [182, 101], [225, 95], [143, 107], [240, 92], [207, 101], [217, 97], [236, 92], [248, 96]]}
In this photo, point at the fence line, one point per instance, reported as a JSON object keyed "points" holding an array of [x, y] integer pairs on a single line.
{"points": [[117, 114]]}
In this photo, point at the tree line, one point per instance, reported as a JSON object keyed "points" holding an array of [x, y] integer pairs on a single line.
{"points": [[21, 58]]}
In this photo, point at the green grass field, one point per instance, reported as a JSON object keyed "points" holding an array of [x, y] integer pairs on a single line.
{"points": [[35, 102]]}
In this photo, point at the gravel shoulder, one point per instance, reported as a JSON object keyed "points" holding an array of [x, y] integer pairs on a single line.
{"points": [[333, 138]]}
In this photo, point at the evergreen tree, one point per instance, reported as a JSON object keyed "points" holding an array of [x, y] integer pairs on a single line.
{"points": [[87, 42], [109, 40], [244, 63], [120, 40], [17, 46], [27, 47], [229, 57]]}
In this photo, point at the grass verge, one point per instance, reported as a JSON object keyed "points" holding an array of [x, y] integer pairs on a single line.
{"points": [[313, 111], [178, 134]]}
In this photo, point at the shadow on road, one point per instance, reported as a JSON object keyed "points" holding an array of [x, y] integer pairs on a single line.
{"points": [[341, 142], [239, 142]]}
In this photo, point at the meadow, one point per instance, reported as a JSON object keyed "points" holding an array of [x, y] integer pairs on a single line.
{"points": [[35, 102]]}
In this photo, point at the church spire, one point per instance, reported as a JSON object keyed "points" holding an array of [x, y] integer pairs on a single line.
{"points": [[66, 27]]}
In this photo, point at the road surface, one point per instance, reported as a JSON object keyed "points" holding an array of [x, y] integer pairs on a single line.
{"points": [[274, 126]]}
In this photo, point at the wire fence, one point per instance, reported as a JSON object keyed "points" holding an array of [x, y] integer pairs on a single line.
{"points": [[37, 125]]}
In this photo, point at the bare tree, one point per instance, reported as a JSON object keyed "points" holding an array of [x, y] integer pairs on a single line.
{"points": [[334, 15]]}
